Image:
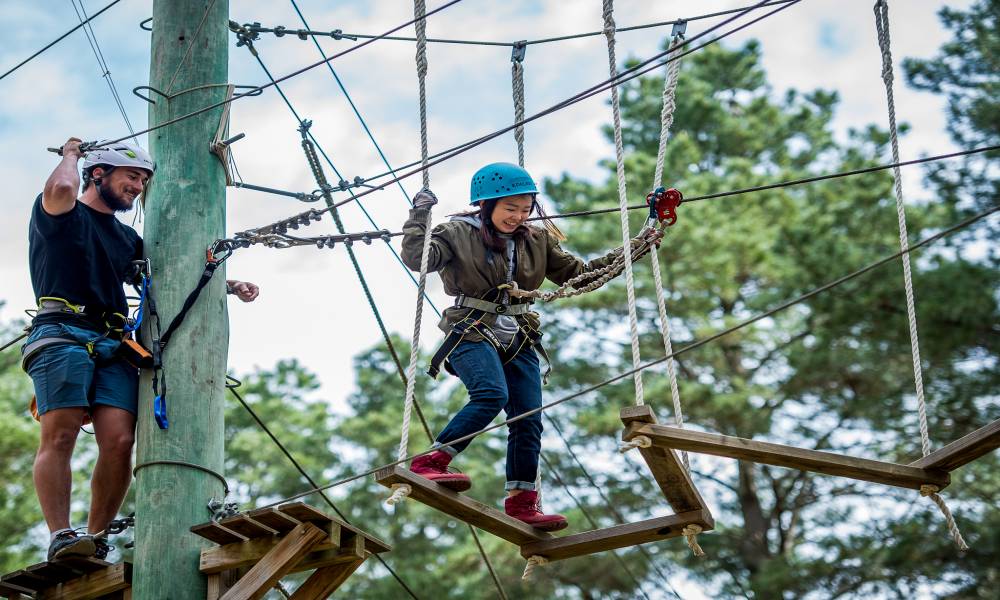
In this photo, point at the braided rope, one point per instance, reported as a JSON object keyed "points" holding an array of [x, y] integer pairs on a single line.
{"points": [[633, 322], [399, 492], [690, 534], [666, 120], [598, 277], [517, 84], [533, 562], [882, 29], [639, 441]]}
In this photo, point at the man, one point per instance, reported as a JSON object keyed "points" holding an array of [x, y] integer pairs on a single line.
{"points": [[79, 257]]}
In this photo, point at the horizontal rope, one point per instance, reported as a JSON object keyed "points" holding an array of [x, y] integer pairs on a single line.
{"points": [[689, 347]]}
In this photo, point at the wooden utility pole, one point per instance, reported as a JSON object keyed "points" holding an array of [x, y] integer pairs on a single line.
{"points": [[185, 212]]}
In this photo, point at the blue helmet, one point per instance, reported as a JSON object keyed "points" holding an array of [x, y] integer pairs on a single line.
{"points": [[497, 180]]}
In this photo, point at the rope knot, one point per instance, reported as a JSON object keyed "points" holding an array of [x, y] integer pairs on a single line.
{"points": [[399, 493], [929, 489], [529, 568], [639, 441], [690, 533]]}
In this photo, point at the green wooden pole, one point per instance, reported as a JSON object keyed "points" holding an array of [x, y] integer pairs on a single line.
{"points": [[185, 212]]}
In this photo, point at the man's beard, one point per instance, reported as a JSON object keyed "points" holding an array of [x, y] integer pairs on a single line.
{"points": [[112, 200]]}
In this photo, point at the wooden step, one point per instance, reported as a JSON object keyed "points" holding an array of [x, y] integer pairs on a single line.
{"points": [[963, 450], [668, 470], [619, 536], [216, 559], [14, 592], [780, 455], [310, 514], [276, 563], [461, 507]]}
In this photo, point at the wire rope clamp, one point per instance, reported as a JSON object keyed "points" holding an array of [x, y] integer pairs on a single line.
{"points": [[679, 29], [663, 205], [518, 50]]}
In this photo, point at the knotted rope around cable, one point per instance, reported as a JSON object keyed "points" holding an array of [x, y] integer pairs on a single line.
{"points": [[639, 441], [529, 568], [609, 32], [882, 29], [401, 491], [690, 534]]}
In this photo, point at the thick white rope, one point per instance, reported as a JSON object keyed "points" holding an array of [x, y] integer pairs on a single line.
{"points": [[609, 32], [401, 491], [690, 534], [639, 441], [529, 568], [517, 84], [666, 120], [882, 29]]}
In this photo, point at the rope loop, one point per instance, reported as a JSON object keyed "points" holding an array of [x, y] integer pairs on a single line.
{"points": [[533, 562], [690, 533], [400, 491], [639, 441]]}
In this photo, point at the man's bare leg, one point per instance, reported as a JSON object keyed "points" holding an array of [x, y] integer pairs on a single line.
{"points": [[52, 474], [115, 432]]}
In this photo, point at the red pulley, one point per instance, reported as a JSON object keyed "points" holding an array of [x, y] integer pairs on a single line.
{"points": [[663, 205]]}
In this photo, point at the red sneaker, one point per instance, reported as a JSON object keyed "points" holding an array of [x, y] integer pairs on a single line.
{"points": [[434, 466], [524, 507]]}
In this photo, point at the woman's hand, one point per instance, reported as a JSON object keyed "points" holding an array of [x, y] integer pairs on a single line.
{"points": [[424, 199]]}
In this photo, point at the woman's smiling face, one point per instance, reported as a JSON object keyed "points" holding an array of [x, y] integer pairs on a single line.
{"points": [[511, 212]]}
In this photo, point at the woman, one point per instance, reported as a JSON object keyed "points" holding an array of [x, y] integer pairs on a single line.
{"points": [[492, 340]]}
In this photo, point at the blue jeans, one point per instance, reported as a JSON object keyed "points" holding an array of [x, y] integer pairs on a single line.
{"points": [[515, 388]]}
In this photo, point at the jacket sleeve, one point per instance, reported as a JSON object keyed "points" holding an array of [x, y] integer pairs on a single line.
{"points": [[441, 251], [562, 266]]}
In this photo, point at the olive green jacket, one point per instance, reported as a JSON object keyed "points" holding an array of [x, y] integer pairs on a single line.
{"points": [[468, 267]]}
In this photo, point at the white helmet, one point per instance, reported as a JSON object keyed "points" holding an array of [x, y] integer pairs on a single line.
{"points": [[121, 154]]}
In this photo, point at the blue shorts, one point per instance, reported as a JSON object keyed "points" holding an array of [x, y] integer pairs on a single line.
{"points": [[65, 375]]}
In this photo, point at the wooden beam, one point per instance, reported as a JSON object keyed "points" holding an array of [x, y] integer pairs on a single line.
{"points": [[461, 507], [84, 564], [276, 563], [112, 579], [963, 450], [325, 581], [309, 514], [780, 455], [217, 559], [14, 592], [351, 549], [277, 521], [53, 572], [22, 578], [619, 536], [668, 470]]}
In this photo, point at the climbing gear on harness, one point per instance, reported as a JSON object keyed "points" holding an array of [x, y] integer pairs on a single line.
{"points": [[122, 154], [500, 179], [215, 255]]}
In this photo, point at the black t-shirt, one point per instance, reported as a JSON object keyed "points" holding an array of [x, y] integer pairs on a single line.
{"points": [[83, 257]]}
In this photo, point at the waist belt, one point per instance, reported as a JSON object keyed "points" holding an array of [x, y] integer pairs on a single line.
{"points": [[492, 307], [30, 351], [526, 336]]}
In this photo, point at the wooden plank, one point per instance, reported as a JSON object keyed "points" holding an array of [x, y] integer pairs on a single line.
{"points": [[214, 532], [325, 581], [780, 455], [107, 581], [84, 564], [667, 469], [461, 507], [619, 536], [310, 514], [247, 527], [53, 572], [963, 450], [276, 563], [22, 578], [277, 521], [14, 592], [217, 559]]}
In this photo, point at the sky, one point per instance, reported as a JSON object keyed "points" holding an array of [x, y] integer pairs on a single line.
{"points": [[827, 44]]}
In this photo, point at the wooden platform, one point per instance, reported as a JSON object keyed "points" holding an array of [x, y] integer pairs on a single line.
{"points": [[75, 578], [461, 507], [255, 550], [780, 455], [963, 450]]}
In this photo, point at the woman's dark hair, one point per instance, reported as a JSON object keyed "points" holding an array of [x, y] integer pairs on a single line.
{"points": [[492, 238]]}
